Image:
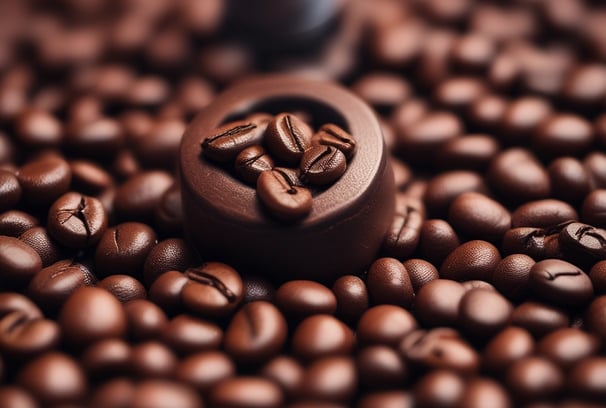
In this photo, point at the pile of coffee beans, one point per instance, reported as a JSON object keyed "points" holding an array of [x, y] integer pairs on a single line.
{"points": [[490, 287], [320, 158]]}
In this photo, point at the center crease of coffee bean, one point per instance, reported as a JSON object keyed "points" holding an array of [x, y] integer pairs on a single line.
{"points": [[294, 134], [77, 212], [233, 131], [205, 278], [554, 276]]}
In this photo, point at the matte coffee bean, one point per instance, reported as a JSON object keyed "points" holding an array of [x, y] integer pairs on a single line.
{"points": [[420, 272], [586, 379], [139, 196], [44, 179], [251, 162], [10, 190], [101, 137], [172, 254], [437, 303], [145, 319], [534, 379], [321, 165], [301, 298], [258, 288], [488, 221], [91, 314], [13, 223], [543, 214], [288, 137], [595, 316], [39, 239], [205, 369], [152, 359], [563, 134], [481, 392], [437, 240], [124, 287], [155, 393], [560, 283], [53, 285], [246, 392], [76, 220], [331, 379], [597, 274], [483, 312], [166, 291], [403, 234], [570, 181], [352, 298], [594, 208], [439, 388], [124, 248], [214, 289], [18, 262], [188, 334], [471, 260], [38, 128], [333, 135], [22, 337], [539, 318], [381, 90], [322, 335], [420, 141], [506, 347], [255, 333], [388, 282], [281, 197], [444, 188], [511, 276], [88, 177], [584, 239], [168, 215], [568, 346], [385, 324], [105, 358], [470, 152], [286, 372], [380, 367]]}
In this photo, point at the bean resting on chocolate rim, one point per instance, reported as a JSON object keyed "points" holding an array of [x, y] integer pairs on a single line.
{"points": [[288, 177]]}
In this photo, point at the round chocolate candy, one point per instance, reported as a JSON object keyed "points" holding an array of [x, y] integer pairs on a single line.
{"points": [[348, 220]]}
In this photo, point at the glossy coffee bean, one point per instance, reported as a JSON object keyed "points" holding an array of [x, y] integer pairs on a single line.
{"points": [[506, 347], [458, 93], [511, 276], [489, 220], [152, 359], [13, 223], [445, 187], [124, 287], [386, 399], [330, 379], [106, 358], [584, 239], [560, 283], [523, 116], [22, 337], [91, 314], [543, 214], [403, 234], [114, 393], [157, 393], [76, 220], [534, 378], [437, 240], [38, 128], [246, 392], [568, 346], [380, 367], [439, 388], [88, 177], [288, 137], [301, 298], [170, 254], [437, 303], [472, 260], [16, 397], [255, 333], [483, 312], [322, 165], [595, 316], [594, 164], [168, 215], [39, 239], [539, 318], [382, 90], [214, 289], [160, 145], [166, 291], [482, 392], [19, 263], [44, 179], [251, 162], [205, 369], [333, 135], [286, 372], [10, 190], [385, 325], [592, 210], [281, 197], [586, 379], [470, 152], [16, 302], [230, 139], [101, 137], [352, 298], [139, 196], [145, 319], [388, 282], [570, 181], [420, 272], [563, 134], [321, 335], [187, 334]]}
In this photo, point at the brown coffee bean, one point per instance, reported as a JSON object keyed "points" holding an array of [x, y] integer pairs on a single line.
{"points": [[437, 240], [138, 197], [322, 335], [330, 379], [168, 215], [39, 239], [15, 397], [172, 254], [333, 135], [505, 348], [511, 276], [420, 272], [13, 223], [321, 165], [382, 90], [563, 134], [214, 289], [166, 291], [386, 399], [480, 392], [380, 367], [594, 164], [441, 388], [437, 303], [584, 240], [302, 298], [403, 234], [288, 137], [586, 379], [477, 216], [593, 208], [283, 199], [486, 113], [539, 318], [458, 93], [205, 369], [159, 147], [16, 302], [246, 392], [483, 312], [154, 393], [597, 274], [560, 283], [543, 214], [471, 260], [44, 179], [145, 319], [22, 337], [570, 181], [152, 359], [188, 334], [37, 128], [471, 152], [444, 188], [568, 346], [101, 137], [19, 263], [352, 298], [76, 220], [10, 190], [595, 316], [388, 282], [124, 287], [534, 379], [251, 162], [258, 288], [385, 324], [105, 358], [473, 53], [286, 372], [256, 332]]}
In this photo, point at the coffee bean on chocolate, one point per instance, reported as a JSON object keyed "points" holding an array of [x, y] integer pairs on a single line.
{"points": [[388, 282], [302, 298], [380, 367], [594, 208], [321, 165], [124, 287], [76, 220], [352, 298], [246, 392], [320, 336], [187, 334], [44, 179], [281, 197], [385, 324], [214, 289], [333, 135], [22, 337], [10, 190], [332, 379], [256, 332], [205, 369], [437, 303], [288, 137], [506, 347], [39, 239], [13, 223], [251, 162], [18, 262], [472, 260], [172, 254]]}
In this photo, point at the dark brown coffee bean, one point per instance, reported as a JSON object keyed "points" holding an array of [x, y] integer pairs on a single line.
{"points": [[101, 137], [187, 334], [382, 90], [444, 188], [145, 319], [321, 165], [286, 372], [385, 324], [505, 348], [16, 302], [473, 53], [322, 335], [138, 197], [155, 393], [124, 287], [15, 397], [152, 359], [593, 209], [256, 332], [76, 220], [420, 272], [168, 215], [39, 239], [44, 179], [53, 285], [471, 260], [563, 134], [214, 289], [481, 392], [511, 276], [597, 274], [380, 367], [437, 303], [173, 254], [205, 369], [388, 283], [13, 223], [543, 214], [534, 378], [10, 190], [41, 378], [302, 298], [330, 379], [88, 177], [91, 314], [595, 316], [387, 46], [586, 379], [439, 388], [470, 152], [403, 234], [106, 358], [246, 392], [333, 135], [486, 114], [166, 291], [37, 128], [570, 181], [437, 240], [258, 288], [287, 138], [584, 239], [560, 283], [458, 93], [19, 263], [283, 199], [352, 298], [124, 248], [125, 165], [159, 147], [419, 142], [568, 346], [386, 399], [251, 162], [539, 318], [22, 337], [595, 163], [529, 241], [479, 217], [483, 312]]}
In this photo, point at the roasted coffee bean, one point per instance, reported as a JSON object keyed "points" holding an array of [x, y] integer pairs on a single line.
{"points": [[380, 367], [154, 393], [139, 196], [22, 337], [489, 220], [570, 181], [597, 274], [168, 215], [473, 53], [444, 188], [166, 291], [402, 173], [187, 334], [481, 392], [403, 234], [88, 177], [458, 93], [543, 214], [321, 165], [506, 347], [91, 314], [19, 263], [214, 289], [205, 369], [172, 254], [145, 319], [470, 152], [584, 239], [539, 318], [302, 298], [407, 113], [160, 146], [39, 239], [511, 276], [560, 283], [471, 260], [256, 332], [483, 312], [586, 379], [284, 200], [124, 287], [420, 272], [386, 399], [101, 137], [486, 113], [105, 358], [594, 164], [251, 162], [352, 298], [568, 346], [594, 208], [258, 288], [388, 282], [382, 90], [152, 359], [385, 324], [534, 379], [533, 242], [320, 336], [333, 135], [246, 392], [439, 388], [13, 223], [523, 116], [76, 220], [15, 397], [10, 190], [116, 392], [288, 137], [437, 240], [595, 316], [330, 379], [44, 179], [16, 302], [286, 372], [53, 285], [563, 134]]}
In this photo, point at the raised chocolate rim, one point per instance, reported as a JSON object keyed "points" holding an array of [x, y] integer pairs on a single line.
{"points": [[236, 200]]}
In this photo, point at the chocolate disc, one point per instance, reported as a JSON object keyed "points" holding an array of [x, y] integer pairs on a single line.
{"points": [[344, 230]]}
